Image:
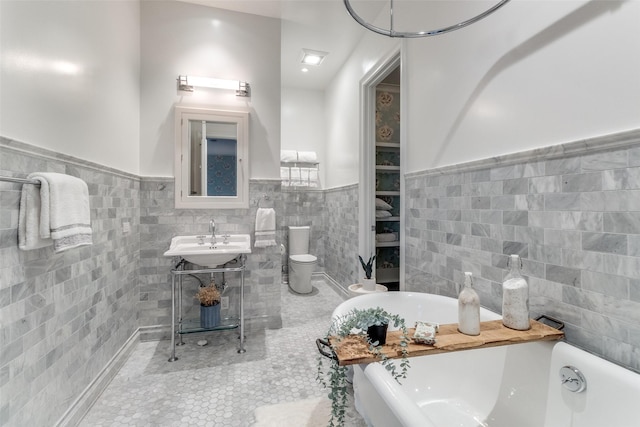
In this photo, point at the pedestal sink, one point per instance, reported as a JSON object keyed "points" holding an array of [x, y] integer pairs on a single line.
{"points": [[199, 249]]}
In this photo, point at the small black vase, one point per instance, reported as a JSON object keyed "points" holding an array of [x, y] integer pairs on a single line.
{"points": [[378, 333]]}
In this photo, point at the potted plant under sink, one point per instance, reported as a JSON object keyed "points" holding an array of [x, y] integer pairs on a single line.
{"points": [[365, 322], [209, 298]]}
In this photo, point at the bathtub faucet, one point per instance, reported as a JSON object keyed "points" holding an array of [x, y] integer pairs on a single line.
{"points": [[212, 229]]}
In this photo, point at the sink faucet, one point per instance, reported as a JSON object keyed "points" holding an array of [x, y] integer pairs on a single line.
{"points": [[212, 229]]}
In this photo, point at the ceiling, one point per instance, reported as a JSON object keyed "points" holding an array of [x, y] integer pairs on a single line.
{"points": [[322, 25]]}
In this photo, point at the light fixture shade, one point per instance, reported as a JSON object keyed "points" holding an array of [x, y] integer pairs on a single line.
{"points": [[187, 83], [312, 57]]}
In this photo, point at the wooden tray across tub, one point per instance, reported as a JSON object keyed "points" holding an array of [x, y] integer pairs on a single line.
{"points": [[353, 349]]}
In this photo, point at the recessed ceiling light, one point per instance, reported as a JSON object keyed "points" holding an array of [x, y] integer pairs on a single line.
{"points": [[305, 70], [313, 57]]}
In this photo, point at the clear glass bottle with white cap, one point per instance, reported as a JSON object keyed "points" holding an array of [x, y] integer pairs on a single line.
{"points": [[515, 297]]}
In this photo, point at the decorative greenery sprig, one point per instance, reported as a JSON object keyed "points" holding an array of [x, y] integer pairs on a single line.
{"points": [[368, 266], [357, 321]]}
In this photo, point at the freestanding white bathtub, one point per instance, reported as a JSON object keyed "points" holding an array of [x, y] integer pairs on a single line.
{"points": [[511, 386]]}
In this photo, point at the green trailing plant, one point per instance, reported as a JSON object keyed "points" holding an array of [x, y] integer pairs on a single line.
{"points": [[368, 266], [334, 376]]}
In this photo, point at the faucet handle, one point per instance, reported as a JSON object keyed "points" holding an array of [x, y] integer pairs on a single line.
{"points": [[201, 239], [226, 238]]}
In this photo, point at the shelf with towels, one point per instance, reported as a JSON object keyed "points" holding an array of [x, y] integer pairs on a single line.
{"points": [[300, 174], [387, 168], [300, 165], [389, 145], [391, 218], [393, 244]]}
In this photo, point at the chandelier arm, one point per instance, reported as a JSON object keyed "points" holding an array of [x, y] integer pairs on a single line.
{"points": [[391, 16], [416, 34]]}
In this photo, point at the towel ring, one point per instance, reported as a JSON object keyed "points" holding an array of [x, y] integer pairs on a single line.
{"points": [[416, 34], [263, 198]]}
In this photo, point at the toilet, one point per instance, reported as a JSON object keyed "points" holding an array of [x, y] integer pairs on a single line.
{"points": [[301, 263]]}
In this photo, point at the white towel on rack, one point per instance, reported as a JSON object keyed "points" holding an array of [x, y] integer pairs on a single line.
{"points": [[304, 177], [314, 178], [265, 228], [288, 156], [284, 176], [65, 217], [294, 178], [307, 157], [29, 220]]}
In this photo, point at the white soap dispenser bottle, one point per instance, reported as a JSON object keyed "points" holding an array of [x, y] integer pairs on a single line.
{"points": [[515, 297], [468, 308]]}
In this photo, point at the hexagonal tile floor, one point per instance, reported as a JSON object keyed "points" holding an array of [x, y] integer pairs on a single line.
{"points": [[213, 385]]}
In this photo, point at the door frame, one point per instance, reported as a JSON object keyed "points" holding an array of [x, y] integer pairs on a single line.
{"points": [[366, 196]]}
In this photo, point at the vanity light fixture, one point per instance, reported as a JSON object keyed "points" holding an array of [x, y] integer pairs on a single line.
{"points": [[187, 83], [312, 57]]}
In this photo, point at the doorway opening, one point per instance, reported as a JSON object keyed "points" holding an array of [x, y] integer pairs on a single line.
{"points": [[381, 173]]}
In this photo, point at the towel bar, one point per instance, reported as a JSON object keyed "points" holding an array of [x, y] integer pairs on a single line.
{"points": [[20, 180]]}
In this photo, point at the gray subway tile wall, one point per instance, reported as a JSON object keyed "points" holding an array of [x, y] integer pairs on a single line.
{"points": [[160, 221], [341, 243], [572, 212], [64, 316]]}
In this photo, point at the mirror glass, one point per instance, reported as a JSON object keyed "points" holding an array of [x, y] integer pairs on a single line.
{"points": [[211, 159], [214, 158]]}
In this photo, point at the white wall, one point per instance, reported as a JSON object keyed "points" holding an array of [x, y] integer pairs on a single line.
{"points": [[343, 109], [303, 123], [179, 38], [533, 74], [69, 78], [536, 73]]}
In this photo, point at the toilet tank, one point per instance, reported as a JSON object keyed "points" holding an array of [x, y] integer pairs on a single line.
{"points": [[299, 240]]}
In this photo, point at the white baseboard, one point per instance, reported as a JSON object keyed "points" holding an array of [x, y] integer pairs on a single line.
{"points": [[335, 285], [90, 394], [155, 333]]}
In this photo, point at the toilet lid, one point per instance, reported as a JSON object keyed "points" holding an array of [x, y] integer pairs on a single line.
{"points": [[303, 258]]}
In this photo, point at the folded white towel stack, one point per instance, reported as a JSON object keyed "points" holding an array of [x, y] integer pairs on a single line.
{"points": [[265, 228], [64, 217], [307, 157], [289, 156], [386, 237]]}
